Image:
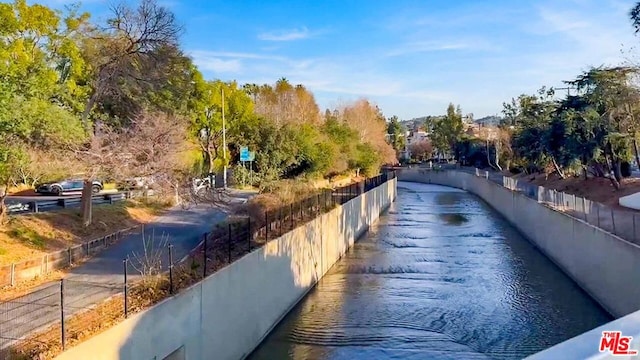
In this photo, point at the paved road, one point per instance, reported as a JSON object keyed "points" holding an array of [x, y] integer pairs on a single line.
{"points": [[182, 228]]}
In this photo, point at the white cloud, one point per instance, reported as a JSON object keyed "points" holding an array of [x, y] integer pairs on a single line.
{"points": [[286, 35], [218, 65]]}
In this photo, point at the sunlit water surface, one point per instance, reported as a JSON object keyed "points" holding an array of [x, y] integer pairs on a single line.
{"points": [[440, 276]]}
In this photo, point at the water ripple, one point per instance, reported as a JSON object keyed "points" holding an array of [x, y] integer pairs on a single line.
{"points": [[440, 277]]}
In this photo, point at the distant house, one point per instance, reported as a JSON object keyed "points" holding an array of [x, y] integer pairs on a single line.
{"points": [[413, 137]]}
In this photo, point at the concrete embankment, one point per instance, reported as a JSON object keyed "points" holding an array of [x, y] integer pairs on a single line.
{"points": [[604, 265], [229, 313]]}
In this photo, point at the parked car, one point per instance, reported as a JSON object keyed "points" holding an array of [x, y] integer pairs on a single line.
{"points": [[135, 183], [64, 186]]}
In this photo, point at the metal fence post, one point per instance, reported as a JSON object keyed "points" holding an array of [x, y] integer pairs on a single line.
{"points": [[170, 269], [613, 221], [126, 288], [266, 226], [291, 214], [280, 221], [62, 332], [249, 232], [204, 255], [325, 199], [333, 199], [229, 243], [13, 274], [584, 209]]}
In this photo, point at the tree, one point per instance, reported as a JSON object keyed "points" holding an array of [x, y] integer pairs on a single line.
{"points": [[634, 14], [446, 131], [154, 145], [368, 122], [206, 120], [36, 54], [610, 92], [530, 117], [11, 158], [421, 150], [396, 134], [284, 103], [131, 54]]}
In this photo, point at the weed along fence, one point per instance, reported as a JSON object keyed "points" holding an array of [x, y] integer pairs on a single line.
{"points": [[29, 269], [243, 273]]}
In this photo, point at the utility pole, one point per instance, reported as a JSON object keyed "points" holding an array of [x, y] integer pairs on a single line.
{"points": [[224, 143]]}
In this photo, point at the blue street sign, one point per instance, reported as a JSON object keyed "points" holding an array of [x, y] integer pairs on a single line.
{"points": [[244, 154]]}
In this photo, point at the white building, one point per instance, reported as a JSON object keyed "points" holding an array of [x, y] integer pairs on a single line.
{"points": [[413, 137]]}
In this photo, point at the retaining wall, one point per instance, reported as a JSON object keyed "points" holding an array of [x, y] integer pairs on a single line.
{"points": [[603, 264], [228, 314]]}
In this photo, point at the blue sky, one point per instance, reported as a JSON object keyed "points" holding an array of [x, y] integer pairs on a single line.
{"points": [[410, 57]]}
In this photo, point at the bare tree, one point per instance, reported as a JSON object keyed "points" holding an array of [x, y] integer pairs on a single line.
{"points": [[133, 48], [421, 150], [152, 146]]}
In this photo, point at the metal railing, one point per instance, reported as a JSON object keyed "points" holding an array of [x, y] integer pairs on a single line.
{"points": [[623, 223], [41, 265], [59, 314]]}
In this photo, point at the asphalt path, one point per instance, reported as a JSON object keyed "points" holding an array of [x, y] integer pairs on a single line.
{"points": [[103, 275]]}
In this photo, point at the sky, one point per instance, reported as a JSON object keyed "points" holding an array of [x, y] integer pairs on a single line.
{"points": [[412, 58]]}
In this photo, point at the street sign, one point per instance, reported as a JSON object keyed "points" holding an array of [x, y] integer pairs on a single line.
{"points": [[244, 154], [252, 155]]}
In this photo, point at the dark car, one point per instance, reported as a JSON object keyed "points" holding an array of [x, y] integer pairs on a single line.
{"points": [[61, 187]]}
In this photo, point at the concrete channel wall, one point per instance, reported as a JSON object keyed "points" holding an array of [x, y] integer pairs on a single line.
{"points": [[604, 265], [227, 315]]}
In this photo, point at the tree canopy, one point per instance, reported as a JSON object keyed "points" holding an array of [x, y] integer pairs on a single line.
{"points": [[119, 98]]}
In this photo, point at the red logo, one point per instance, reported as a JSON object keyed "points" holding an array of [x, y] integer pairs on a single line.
{"points": [[616, 344]]}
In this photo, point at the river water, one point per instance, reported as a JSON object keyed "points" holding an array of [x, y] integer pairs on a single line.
{"points": [[440, 276]]}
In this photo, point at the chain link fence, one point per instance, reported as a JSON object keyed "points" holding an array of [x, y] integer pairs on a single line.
{"points": [[623, 223]]}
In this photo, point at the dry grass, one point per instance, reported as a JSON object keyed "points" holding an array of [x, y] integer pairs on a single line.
{"points": [[286, 192], [27, 236], [27, 286], [20, 189]]}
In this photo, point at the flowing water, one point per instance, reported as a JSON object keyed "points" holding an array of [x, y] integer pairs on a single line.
{"points": [[440, 276]]}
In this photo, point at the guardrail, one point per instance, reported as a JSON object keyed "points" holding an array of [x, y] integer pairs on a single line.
{"points": [[30, 207]]}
